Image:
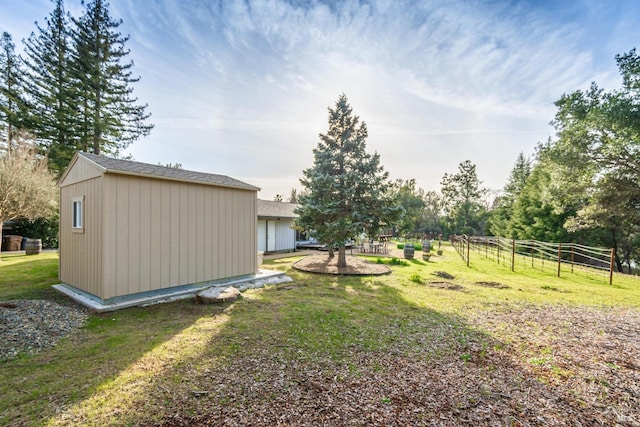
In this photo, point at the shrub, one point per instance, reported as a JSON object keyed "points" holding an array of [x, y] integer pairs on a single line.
{"points": [[400, 245], [40, 228], [416, 278]]}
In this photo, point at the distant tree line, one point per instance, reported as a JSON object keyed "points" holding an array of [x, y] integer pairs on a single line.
{"points": [[583, 186]]}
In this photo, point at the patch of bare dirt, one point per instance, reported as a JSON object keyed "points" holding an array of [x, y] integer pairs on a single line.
{"points": [[446, 285], [494, 285], [443, 274], [355, 266]]}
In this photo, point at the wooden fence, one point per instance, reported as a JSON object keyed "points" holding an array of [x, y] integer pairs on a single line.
{"points": [[557, 256]]}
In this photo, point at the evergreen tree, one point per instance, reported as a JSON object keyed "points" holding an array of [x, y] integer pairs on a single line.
{"points": [[293, 196], [347, 190], [534, 215], [462, 196], [12, 99], [433, 212], [501, 214], [412, 201], [50, 86], [109, 118]]}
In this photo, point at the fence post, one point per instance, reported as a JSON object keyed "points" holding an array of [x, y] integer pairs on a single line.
{"points": [[498, 249], [559, 257], [533, 245], [468, 240], [513, 254], [486, 247], [611, 265], [572, 260]]}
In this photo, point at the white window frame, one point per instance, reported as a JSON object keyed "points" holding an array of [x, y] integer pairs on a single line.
{"points": [[77, 214]]}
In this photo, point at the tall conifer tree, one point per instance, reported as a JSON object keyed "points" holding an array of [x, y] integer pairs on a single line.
{"points": [[110, 118], [462, 195], [12, 98], [346, 189], [51, 87]]}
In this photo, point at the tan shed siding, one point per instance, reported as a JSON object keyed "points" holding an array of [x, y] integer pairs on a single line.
{"points": [[192, 215], [201, 234], [223, 226], [109, 240], [121, 213], [164, 234], [81, 253], [81, 170], [215, 234]]}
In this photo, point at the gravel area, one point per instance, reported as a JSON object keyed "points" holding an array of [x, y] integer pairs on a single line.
{"points": [[31, 326]]}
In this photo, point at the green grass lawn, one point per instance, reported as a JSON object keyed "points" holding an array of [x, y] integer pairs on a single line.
{"points": [[141, 366], [28, 276]]}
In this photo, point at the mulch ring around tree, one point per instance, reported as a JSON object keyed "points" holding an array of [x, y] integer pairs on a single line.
{"points": [[355, 266]]}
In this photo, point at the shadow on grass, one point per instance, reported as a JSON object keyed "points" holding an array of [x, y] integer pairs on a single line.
{"points": [[288, 354], [91, 360]]}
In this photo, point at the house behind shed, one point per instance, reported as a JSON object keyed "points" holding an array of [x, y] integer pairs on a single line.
{"points": [[130, 229], [275, 226]]}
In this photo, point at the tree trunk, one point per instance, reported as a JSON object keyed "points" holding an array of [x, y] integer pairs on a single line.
{"points": [[331, 254], [615, 246], [1, 241], [342, 257]]}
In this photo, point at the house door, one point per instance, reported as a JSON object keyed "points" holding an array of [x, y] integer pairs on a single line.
{"points": [[266, 235], [271, 236]]}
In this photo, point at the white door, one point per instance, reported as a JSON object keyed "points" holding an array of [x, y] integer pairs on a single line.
{"points": [[271, 236], [262, 235]]}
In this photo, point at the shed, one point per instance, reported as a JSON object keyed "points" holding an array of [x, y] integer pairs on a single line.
{"points": [[275, 226], [130, 229]]}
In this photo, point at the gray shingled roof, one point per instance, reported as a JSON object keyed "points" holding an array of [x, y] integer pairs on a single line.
{"points": [[129, 167], [267, 208]]}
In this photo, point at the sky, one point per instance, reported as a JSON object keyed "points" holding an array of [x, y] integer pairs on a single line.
{"points": [[242, 87]]}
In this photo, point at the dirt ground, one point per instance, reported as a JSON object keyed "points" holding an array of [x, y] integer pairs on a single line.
{"points": [[559, 367], [355, 265], [527, 366]]}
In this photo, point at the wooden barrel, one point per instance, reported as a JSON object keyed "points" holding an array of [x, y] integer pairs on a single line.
{"points": [[33, 246], [409, 250]]}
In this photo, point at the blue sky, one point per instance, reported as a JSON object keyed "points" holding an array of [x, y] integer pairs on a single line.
{"points": [[242, 87]]}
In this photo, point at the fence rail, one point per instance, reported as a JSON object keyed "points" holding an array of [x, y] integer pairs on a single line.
{"points": [[557, 256]]}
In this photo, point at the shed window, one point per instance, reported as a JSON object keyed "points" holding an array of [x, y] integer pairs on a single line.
{"points": [[77, 214]]}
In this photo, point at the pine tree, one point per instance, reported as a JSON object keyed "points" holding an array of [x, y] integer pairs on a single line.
{"points": [[293, 196], [499, 221], [12, 99], [462, 194], [346, 189], [50, 86], [110, 118]]}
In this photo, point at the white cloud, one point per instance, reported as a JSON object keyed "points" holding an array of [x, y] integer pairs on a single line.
{"points": [[243, 85]]}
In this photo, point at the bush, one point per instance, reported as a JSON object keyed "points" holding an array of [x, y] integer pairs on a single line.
{"points": [[45, 229], [400, 245], [417, 247], [416, 278]]}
